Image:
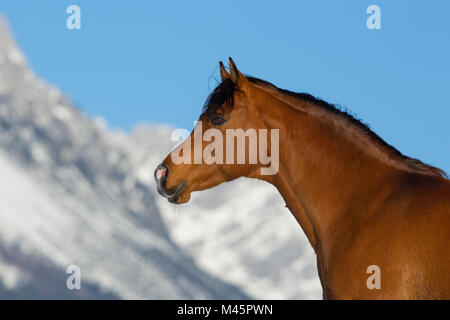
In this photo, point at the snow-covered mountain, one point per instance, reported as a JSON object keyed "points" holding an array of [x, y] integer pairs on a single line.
{"points": [[75, 192], [70, 195]]}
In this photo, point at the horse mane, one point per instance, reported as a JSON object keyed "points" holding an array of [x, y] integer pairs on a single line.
{"points": [[224, 92]]}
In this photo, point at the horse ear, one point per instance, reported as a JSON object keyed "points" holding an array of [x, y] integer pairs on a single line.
{"points": [[235, 75], [223, 73]]}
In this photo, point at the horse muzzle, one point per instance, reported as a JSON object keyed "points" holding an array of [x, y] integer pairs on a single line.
{"points": [[161, 174]]}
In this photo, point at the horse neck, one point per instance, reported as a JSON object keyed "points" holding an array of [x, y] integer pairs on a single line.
{"points": [[324, 177]]}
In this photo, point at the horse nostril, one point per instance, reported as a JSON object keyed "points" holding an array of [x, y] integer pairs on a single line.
{"points": [[161, 173]]}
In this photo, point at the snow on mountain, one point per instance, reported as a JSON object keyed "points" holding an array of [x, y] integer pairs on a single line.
{"points": [[75, 192], [70, 194]]}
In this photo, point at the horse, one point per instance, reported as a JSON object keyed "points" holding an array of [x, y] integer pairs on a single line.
{"points": [[379, 221]]}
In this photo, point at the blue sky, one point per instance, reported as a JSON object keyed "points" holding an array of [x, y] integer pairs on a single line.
{"points": [[145, 61]]}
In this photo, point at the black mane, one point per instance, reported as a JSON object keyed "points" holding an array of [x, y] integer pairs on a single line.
{"points": [[225, 91]]}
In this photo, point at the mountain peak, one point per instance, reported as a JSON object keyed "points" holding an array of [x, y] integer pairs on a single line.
{"points": [[72, 197], [9, 51]]}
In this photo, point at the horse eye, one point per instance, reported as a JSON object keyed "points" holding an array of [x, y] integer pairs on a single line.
{"points": [[217, 120]]}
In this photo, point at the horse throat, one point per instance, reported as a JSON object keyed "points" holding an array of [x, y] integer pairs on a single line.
{"points": [[325, 179]]}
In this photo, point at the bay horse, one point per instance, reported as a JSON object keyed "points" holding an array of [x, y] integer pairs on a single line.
{"points": [[361, 203]]}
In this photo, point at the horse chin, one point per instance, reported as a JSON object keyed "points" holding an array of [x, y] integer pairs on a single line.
{"points": [[180, 198]]}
